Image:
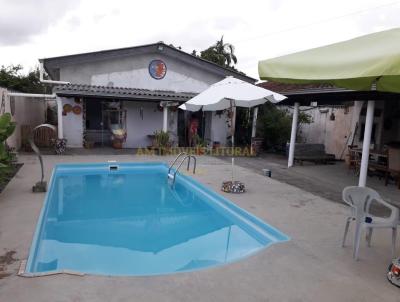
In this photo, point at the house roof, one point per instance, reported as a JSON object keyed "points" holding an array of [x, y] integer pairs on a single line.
{"points": [[324, 94], [52, 64], [297, 89], [72, 90]]}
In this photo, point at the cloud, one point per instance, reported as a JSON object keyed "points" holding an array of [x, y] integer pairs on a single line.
{"points": [[230, 23], [259, 30], [73, 22], [202, 34], [379, 19], [21, 20]]}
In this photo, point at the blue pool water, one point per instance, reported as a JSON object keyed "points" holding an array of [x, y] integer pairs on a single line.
{"points": [[131, 221]]}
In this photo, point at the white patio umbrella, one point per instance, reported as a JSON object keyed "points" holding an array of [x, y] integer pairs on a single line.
{"points": [[231, 93]]}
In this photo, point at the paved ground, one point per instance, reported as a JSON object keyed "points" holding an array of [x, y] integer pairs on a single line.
{"points": [[326, 181], [310, 267]]}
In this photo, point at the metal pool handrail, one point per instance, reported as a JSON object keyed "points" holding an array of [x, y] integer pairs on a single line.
{"points": [[180, 164], [175, 160]]}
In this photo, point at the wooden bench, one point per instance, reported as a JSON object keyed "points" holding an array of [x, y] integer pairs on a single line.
{"points": [[312, 153]]}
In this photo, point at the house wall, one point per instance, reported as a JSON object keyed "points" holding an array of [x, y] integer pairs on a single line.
{"points": [[72, 126], [133, 72], [25, 111], [334, 134], [138, 128]]}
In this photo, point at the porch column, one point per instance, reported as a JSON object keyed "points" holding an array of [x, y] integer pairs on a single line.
{"points": [[59, 118], [165, 118], [293, 134], [369, 120], [254, 128]]}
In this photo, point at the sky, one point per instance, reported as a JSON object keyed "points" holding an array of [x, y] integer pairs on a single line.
{"points": [[33, 29]]}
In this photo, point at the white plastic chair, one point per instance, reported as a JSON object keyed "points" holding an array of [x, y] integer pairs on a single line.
{"points": [[359, 199]]}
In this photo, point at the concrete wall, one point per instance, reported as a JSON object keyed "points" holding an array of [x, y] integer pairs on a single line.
{"points": [[332, 133], [72, 125], [25, 111], [138, 128], [133, 72]]}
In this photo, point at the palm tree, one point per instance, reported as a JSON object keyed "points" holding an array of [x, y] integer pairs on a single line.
{"points": [[220, 53]]}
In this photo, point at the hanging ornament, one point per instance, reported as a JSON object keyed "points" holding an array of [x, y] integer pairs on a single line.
{"points": [[67, 108], [77, 110]]}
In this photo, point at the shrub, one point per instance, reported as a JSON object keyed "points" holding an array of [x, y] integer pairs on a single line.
{"points": [[274, 126], [161, 139], [7, 128]]}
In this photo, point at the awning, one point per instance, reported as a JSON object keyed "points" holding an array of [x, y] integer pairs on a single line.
{"points": [[126, 93], [354, 64]]}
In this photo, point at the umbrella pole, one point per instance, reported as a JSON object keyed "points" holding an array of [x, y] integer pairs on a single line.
{"points": [[233, 117]]}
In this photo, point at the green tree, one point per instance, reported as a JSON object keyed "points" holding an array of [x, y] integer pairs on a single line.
{"points": [[274, 126], [304, 119], [12, 78], [220, 53]]}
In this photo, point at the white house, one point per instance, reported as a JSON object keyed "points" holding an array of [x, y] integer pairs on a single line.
{"points": [[138, 88]]}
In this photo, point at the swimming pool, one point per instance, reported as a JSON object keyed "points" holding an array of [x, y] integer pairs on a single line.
{"points": [[127, 219]]}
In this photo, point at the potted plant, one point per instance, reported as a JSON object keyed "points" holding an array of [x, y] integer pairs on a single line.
{"points": [[200, 144], [161, 141], [118, 138]]}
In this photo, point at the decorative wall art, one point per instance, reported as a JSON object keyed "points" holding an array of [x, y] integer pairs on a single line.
{"points": [[157, 69]]}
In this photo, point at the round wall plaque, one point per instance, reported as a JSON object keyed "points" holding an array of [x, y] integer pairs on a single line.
{"points": [[157, 69]]}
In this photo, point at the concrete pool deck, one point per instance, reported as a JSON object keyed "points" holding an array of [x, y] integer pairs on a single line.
{"points": [[327, 181], [310, 267]]}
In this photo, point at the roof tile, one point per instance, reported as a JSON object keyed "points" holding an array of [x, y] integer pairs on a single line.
{"points": [[121, 92]]}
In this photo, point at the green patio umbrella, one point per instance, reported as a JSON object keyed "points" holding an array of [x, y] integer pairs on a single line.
{"points": [[355, 64]]}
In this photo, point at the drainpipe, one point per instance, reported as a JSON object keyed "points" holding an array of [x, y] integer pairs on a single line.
{"points": [[293, 134], [41, 72]]}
